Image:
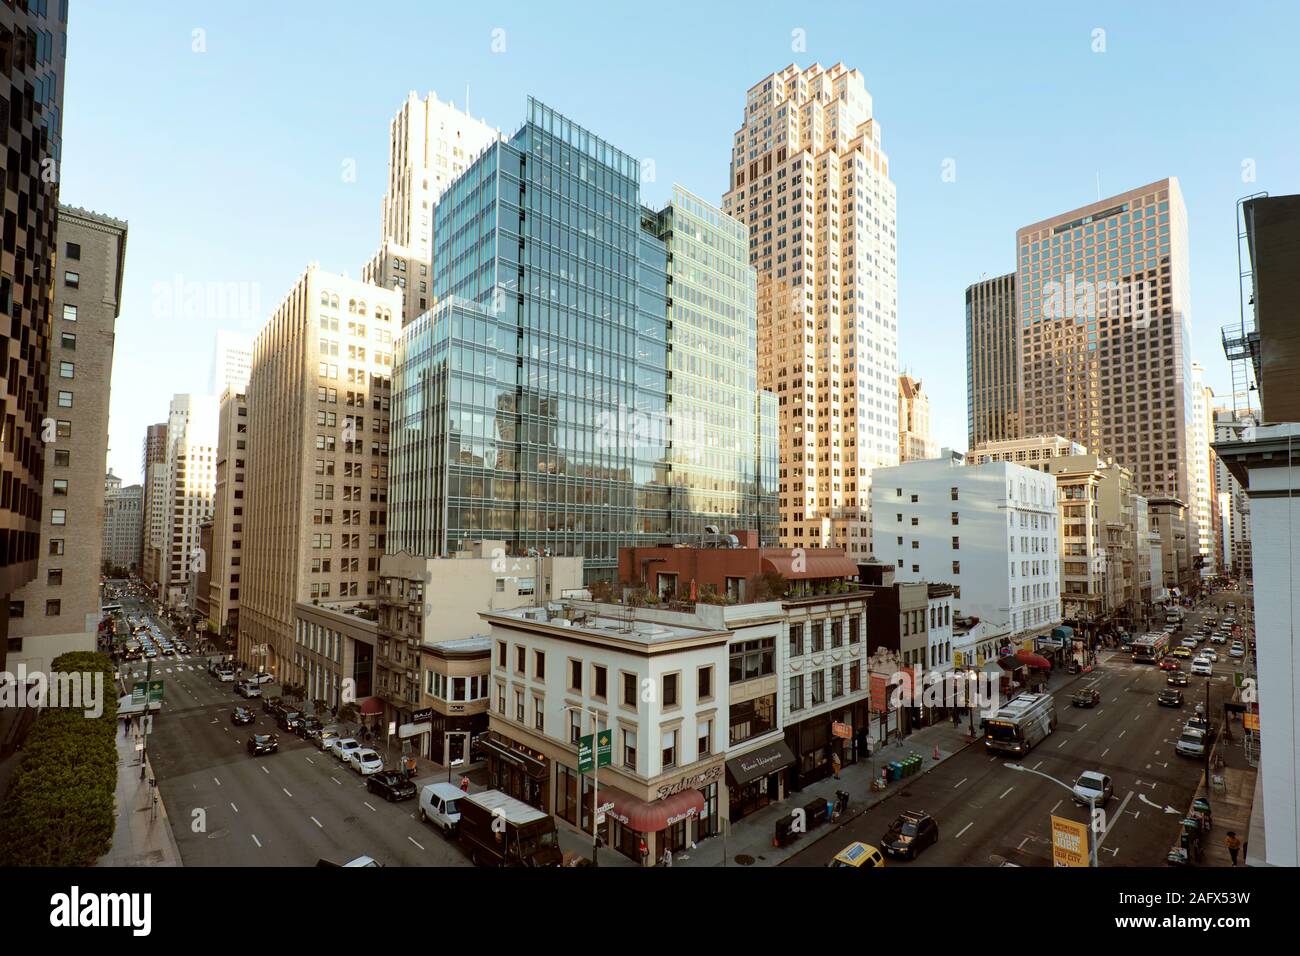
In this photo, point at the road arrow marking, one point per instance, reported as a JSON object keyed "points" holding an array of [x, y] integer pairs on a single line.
{"points": [[1150, 803]]}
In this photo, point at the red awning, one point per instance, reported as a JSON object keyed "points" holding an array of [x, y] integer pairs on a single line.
{"points": [[371, 706], [834, 564], [651, 816], [1036, 661]]}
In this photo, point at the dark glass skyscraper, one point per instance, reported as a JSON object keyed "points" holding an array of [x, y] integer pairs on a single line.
{"points": [[534, 403]]}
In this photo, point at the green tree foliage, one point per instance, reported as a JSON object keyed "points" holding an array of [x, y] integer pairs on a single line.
{"points": [[59, 810]]}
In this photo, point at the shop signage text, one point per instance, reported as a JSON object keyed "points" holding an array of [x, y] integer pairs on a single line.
{"points": [[687, 783]]}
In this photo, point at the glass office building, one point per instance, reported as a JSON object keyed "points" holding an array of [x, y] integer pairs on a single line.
{"points": [[537, 401]]}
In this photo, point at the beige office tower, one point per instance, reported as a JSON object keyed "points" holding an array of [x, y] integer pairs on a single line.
{"points": [[189, 492], [153, 519], [992, 362], [58, 610], [1105, 336], [914, 441], [809, 179], [1202, 505], [317, 466], [431, 142], [226, 560]]}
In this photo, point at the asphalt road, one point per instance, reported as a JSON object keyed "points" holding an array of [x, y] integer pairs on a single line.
{"points": [[989, 814], [290, 808]]}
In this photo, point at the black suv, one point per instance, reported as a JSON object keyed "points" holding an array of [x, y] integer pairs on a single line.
{"points": [[259, 744], [911, 833], [1169, 697], [241, 715], [289, 720], [391, 786], [1085, 698]]}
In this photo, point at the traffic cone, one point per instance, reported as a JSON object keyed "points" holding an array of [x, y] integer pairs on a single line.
{"points": [[936, 751]]}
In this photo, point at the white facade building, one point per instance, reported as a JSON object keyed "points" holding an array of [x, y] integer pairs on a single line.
{"points": [[991, 530], [1201, 465], [191, 486]]}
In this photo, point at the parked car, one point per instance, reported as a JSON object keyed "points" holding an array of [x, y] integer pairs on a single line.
{"points": [[1085, 698], [390, 785], [259, 744], [1170, 698], [1192, 743], [261, 677], [365, 761], [1093, 788], [1218, 639], [288, 720], [323, 738], [240, 716], [226, 676], [440, 806], [911, 833], [307, 726], [858, 855], [342, 747], [244, 689], [269, 704]]}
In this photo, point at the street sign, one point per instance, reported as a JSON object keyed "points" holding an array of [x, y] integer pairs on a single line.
{"points": [[138, 691], [604, 746], [155, 692], [1069, 842]]}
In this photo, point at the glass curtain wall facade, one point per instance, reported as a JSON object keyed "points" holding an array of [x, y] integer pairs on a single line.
{"points": [[532, 403]]}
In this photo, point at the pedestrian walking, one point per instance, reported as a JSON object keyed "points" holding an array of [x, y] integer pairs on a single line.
{"points": [[668, 856], [1234, 846], [464, 782], [643, 850], [835, 765]]}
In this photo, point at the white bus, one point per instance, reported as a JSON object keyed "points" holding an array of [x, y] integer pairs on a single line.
{"points": [[1020, 724]]}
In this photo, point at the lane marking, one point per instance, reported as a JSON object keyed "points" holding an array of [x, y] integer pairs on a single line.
{"points": [[1060, 745], [216, 781], [1037, 765], [1107, 750], [1121, 735], [960, 782], [235, 808], [369, 807], [257, 841], [1008, 790], [1084, 727], [265, 771], [317, 822], [412, 839], [1022, 843], [1058, 803], [965, 828], [310, 761], [336, 780], [286, 792]]}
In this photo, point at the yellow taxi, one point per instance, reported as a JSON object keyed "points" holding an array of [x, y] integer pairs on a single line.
{"points": [[1181, 652], [858, 856]]}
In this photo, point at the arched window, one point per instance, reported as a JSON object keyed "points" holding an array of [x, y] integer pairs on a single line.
{"points": [[352, 305], [361, 307], [334, 302], [325, 298]]}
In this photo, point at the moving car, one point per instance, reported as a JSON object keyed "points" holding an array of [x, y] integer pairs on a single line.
{"points": [[226, 676], [1176, 679], [1093, 788], [1218, 639], [1237, 651], [858, 855], [342, 747], [440, 806], [1084, 698], [1210, 654], [390, 785], [259, 744], [261, 677], [1181, 652], [1202, 668], [240, 716], [911, 833], [1188, 642], [1170, 698], [1169, 664], [365, 761]]}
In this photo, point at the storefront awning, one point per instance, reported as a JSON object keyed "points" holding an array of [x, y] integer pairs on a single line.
{"points": [[651, 816], [758, 763], [530, 765], [1009, 662], [371, 706], [1036, 661]]}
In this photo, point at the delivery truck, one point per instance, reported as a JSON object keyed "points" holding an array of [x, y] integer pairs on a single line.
{"points": [[498, 830]]}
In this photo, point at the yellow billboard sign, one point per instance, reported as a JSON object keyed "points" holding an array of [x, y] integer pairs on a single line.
{"points": [[1069, 842]]}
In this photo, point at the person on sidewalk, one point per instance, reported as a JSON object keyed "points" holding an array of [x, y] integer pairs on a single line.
{"points": [[464, 782], [835, 765], [668, 856], [1234, 846], [410, 766]]}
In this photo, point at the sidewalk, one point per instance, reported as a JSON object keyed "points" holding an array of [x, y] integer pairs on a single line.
{"points": [[143, 835], [1231, 805], [752, 836]]}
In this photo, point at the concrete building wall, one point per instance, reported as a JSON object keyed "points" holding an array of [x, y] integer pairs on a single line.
{"points": [[58, 611]]}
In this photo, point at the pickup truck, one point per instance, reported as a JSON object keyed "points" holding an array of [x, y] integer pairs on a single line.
{"points": [[498, 830]]}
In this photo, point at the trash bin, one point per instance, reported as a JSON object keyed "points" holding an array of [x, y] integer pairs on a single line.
{"points": [[782, 836], [815, 812], [841, 800], [895, 770]]}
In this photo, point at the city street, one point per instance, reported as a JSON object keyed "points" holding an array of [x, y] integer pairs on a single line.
{"points": [[989, 814], [291, 808]]}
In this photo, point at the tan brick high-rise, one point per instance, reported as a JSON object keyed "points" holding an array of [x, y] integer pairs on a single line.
{"points": [[810, 180], [317, 467]]}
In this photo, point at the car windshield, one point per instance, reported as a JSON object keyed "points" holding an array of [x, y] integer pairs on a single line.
{"points": [[1190, 738], [451, 807], [1089, 782], [260, 739], [999, 730], [908, 829]]}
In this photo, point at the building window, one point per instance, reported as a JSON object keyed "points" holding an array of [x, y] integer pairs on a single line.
{"points": [[539, 665], [62, 457], [67, 370], [575, 726], [796, 640], [575, 675], [54, 577], [519, 706], [60, 487], [501, 655], [53, 608], [629, 690], [796, 693], [16, 608], [70, 313], [68, 340], [521, 658], [73, 250], [65, 399], [953, 492], [598, 678], [670, 690], [539, 715], [629, 748], [956, 567], [56, 547], [58, 516], [956, 543], [63, 428], [72, 280], [704, 686], [704, 730], [669, 749], [818, 688], [818, 636]]}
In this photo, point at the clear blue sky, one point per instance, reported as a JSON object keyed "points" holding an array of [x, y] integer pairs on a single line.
{"points": [[229, 163]]}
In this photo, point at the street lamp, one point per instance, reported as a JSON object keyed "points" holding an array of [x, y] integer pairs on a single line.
{"points": [[595, 777], [1092, 806]]}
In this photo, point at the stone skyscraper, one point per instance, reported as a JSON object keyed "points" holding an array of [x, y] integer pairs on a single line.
{"points": [[810, 180]]}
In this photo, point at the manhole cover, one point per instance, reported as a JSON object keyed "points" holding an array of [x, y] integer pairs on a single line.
{"points": [[744, 859]]}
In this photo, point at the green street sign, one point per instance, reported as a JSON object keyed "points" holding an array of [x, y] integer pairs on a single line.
{"points": [[138, 691], [155, 692], [604, 747], [1238, 679]]}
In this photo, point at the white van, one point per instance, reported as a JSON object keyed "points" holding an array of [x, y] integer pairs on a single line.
{"points": [[439, 805]]}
